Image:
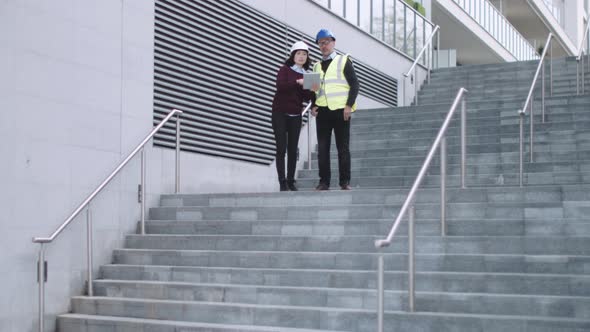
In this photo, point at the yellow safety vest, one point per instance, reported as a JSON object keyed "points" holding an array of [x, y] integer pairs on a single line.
{"points": [[334, 88]]}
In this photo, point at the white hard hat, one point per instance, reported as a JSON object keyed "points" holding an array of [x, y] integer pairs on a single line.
{"points": [[299, 46]]}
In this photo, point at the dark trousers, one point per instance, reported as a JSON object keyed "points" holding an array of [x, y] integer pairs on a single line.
{"points": [[326, 121], [286, 129]]}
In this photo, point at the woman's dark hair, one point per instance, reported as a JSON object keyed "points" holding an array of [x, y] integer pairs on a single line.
{"points": [[291, 61]]}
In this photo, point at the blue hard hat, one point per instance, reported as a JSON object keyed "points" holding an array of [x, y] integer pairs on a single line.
{"points": [[324, 33]]}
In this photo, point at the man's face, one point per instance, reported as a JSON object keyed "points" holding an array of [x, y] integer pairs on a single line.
{"points": [[326, 46]]}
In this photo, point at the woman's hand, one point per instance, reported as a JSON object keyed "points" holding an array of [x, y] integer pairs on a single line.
{"points": [[314, 111], [300, 81]]}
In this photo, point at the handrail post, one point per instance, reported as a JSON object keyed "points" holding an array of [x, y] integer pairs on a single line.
{"points": [[443, 185], [521, 114], [428, 61], [580, 57], [437, 49], [142, 194], [578, 76], [412, 69], [532, 129], [416, 86], [411, 259], [380, 292], [309, 140], [177, 175], [41, 279], [583, 74], [551, 67], [543, 92], [404, 90], [463, 141], [89, 246]]}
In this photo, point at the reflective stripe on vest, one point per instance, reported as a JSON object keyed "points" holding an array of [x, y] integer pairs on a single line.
{"points": [[334, 88]]}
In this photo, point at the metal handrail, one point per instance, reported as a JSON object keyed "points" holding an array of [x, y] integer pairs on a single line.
{"points": [[440, 141], [579, 58], [306, 110], [435, 31], [85, 204], [529, 101]]}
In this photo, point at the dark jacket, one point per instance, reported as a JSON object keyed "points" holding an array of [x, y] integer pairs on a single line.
{"points": [[290, 95]]}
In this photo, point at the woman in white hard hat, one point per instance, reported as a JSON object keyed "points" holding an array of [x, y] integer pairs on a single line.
{"points": [[286, 112]]}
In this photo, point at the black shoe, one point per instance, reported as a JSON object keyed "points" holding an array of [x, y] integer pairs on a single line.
{"points": [[322, 187], [291, 185], [345, 187], [283, 185]]}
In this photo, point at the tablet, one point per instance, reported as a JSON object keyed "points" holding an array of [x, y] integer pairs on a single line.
{"points": [[309, 79]]}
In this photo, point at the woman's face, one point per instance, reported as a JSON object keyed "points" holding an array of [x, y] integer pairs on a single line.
{"points": [[300, 57]]}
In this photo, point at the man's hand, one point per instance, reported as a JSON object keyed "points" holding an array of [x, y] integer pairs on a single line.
{"points": [[314, 111], [347, 112]]}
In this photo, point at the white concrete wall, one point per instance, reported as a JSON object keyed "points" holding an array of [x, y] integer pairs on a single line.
{"points": [[467, 23], [562, 34], [574, 21], [76, 95]]}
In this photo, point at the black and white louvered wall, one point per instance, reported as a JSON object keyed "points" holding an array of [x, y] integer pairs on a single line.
{"points": [[217, 62]]}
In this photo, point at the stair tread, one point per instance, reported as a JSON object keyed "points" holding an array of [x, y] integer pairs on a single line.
{"points": [[332, 289], [188, 324], [326, 310], [462, 273]]}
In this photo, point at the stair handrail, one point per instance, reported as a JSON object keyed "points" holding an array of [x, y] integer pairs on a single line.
{"points": [[408, 205], [529, 102], [580, 58], [41, 264], [306, 110], [427, 46]]}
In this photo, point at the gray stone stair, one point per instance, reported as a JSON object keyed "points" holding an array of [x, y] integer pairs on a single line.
{"points": [[513, 259]]}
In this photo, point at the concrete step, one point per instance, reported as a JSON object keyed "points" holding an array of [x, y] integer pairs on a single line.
{"points": [[538, 194], [496, 103], [433, 181], [426, 281], [455, 169], [455, 227], [474, 84], [481, 117], [574, 126], [520, 79], [554, 156], [553, 264], [315, 317], [349, 298], [356, 211], [101, 323], [533, 245]]}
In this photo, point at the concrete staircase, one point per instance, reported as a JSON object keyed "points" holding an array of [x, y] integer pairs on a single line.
{"points": [[515, 259]]}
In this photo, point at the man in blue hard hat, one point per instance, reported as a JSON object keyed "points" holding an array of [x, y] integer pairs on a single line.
{"points": [[335, 102]]}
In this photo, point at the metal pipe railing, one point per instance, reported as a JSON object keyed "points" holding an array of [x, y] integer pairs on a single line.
{"points": [[41, 268], [426, 46], [408, 205], [529, 102], [307, 110], [580, 58]]}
